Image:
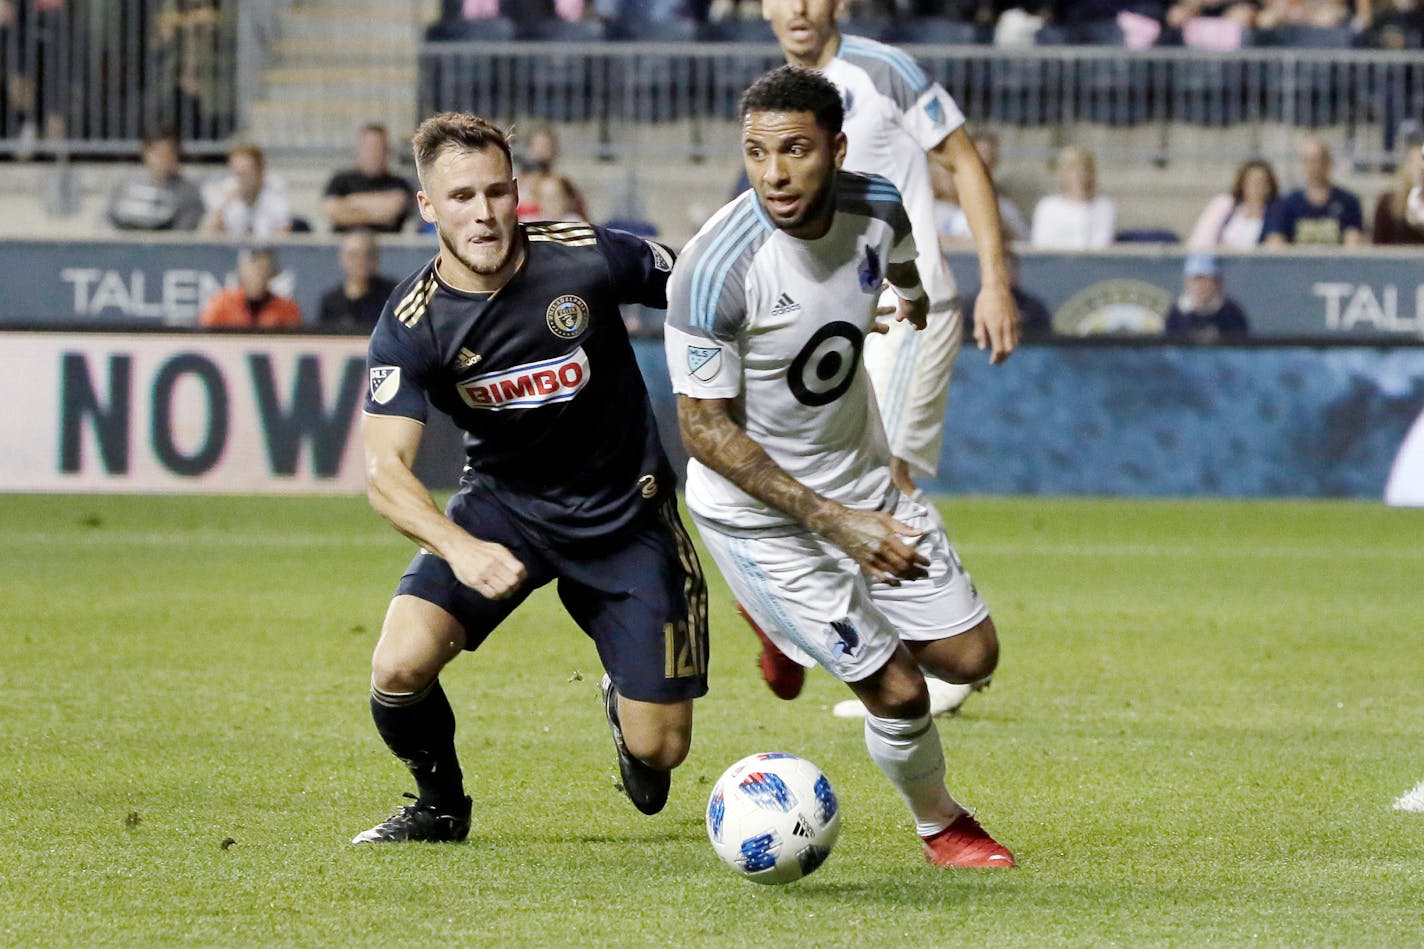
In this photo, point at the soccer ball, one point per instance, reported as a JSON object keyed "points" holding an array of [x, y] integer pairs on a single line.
{"points": [[773, 817]]}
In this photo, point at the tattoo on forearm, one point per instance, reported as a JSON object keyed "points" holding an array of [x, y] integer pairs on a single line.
{"points": [[714, 439]]}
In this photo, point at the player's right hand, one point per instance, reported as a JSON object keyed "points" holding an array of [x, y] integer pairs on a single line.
{"points": [[487, 568], [877, 542]]}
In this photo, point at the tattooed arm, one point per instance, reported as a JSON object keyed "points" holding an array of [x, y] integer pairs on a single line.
{"points": [[872, 538]]}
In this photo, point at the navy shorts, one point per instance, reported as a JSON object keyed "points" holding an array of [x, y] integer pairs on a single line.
{"points": [[642, 600]]}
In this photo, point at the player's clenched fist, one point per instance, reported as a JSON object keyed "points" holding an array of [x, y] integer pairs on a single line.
{"points": [[488, 569]]}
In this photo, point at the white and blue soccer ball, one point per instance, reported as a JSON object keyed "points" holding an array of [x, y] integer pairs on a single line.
{"points": [[773, 817]]}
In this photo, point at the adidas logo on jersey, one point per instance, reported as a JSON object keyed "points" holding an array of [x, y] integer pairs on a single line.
{"points": [[784, 304]]}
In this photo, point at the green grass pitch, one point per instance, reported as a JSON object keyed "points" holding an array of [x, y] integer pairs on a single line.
{"points": [[1203, 714]]}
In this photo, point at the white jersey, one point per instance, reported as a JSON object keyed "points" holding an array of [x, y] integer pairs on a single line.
{"points": [[894, 114], [777, 324]]}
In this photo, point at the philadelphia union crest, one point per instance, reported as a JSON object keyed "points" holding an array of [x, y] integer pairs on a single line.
{"points": [[567, 316]]}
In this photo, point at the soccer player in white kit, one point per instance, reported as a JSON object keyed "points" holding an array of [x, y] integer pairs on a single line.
{"points": [[897, 119], [790, 482]]}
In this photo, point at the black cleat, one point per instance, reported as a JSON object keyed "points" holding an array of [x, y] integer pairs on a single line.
{"points": [[420, 821], [645, 786]]}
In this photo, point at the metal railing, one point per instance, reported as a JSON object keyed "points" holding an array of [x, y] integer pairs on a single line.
{"points": [[91, 78], [629, 89]]}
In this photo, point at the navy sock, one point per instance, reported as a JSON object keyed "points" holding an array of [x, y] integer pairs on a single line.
{"points": [[419, 728]]}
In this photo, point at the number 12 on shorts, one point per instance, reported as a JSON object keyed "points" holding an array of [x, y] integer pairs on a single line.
{"points": [[684, 653]]}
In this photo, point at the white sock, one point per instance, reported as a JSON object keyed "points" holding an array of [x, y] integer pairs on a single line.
{"points": [[909, 752]]}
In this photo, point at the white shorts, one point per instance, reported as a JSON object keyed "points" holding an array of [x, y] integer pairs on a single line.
{"points": [[820, 608], [909, 371]]}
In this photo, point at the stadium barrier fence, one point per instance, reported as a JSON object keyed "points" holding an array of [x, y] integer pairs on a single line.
{"points": [[628, 90], [89, 79]]}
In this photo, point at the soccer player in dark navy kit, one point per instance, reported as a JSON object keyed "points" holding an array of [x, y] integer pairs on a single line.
{"points": [[514, 332]]}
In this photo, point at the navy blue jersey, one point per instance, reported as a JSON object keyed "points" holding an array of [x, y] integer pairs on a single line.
{"points": [[540, 376]]}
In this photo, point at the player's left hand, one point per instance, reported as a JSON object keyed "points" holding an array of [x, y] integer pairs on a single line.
{"points": [[914, 312], [881, 545], [996, 322]]}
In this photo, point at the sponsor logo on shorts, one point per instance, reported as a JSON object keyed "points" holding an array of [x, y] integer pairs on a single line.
{"points": [[849, 638], [529, 386], [704, 362], [567, 316], [385, 383], [647, 485]]}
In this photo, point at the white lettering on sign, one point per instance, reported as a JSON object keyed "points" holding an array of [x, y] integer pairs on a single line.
{"points": [[172, 296], [1351, 306]]}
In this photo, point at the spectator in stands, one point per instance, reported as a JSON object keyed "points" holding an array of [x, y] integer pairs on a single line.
{"points": [[1035, 322], [248, 201], [369, 196], [1414, 207], [1077, 218], [1316, 13], [1237, 220], [34, 53], [252, 304], [1240, 12], [538, 160], [356, 302], [160, 198], [987, 144], [558, 199], [952, 224], [1391, 225], [195, 47], [1319, 212], [1203, 312], [1397, 24]]}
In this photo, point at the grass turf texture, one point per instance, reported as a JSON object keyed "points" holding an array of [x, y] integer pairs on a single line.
{"points": [[1203, 713]]}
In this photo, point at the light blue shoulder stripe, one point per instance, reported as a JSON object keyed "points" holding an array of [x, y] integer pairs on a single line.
{"points": [[702, 273], [900, 61], [709, 276]]}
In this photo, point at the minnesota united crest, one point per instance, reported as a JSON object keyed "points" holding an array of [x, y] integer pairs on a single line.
{"points": [[567, 316]]}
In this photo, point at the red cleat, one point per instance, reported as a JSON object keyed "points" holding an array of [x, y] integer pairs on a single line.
{"points": [[784, 676], [964, 845]]}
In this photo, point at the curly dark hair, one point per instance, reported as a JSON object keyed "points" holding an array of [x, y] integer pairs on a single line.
{"points": [[796, 89]]}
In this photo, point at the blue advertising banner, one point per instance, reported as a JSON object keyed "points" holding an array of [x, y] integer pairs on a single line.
{"points": [[1158, 420]]}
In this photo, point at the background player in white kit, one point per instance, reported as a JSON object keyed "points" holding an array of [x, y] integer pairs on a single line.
{"points": [[790, 480], [896, 120]]}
